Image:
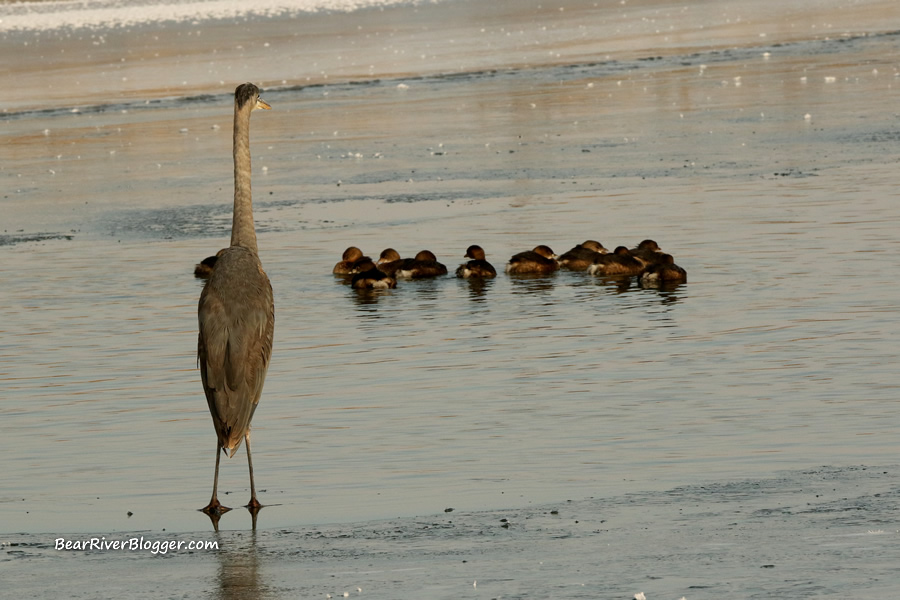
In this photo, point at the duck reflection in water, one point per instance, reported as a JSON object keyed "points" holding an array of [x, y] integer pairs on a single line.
{"points": [[478, 288], [617, 285], [369, 297], [532, 284]]}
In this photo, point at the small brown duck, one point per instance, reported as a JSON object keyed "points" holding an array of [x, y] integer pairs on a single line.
{"points": [[620, 262], [424, 265], [478, 267], [540, 261], [663, 271], [582, 256], [370, 277], [647, 251], [389, 261], [349, 259], [204, 268]]}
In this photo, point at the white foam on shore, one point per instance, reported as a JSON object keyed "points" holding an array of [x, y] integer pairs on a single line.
{"points": [[91, 14]]}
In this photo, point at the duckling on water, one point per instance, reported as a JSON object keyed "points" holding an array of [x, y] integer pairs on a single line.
{"points": [[204, 268], [371, 277], [620, 262], [647, 251], [582, 256], [424, 265], [664, 270], [349, 259], [478, 267], [541, 261]]}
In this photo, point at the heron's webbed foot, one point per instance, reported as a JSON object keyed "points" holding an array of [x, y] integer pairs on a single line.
{"points": [[215, 508]]}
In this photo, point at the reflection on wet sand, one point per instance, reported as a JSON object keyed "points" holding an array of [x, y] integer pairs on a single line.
{"points": [[240, 571]]}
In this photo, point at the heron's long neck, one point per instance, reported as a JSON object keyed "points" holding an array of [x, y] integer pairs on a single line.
{"points": [[242, 231]]}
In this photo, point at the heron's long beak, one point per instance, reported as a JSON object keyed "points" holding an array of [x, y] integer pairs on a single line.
{"points": [[260, 103]]}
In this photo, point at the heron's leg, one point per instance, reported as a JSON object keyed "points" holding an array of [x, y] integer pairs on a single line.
{"points": [[214, 507], [254, 503]]}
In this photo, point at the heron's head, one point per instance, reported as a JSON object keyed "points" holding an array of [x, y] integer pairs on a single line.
{"points": [[247, 93]]}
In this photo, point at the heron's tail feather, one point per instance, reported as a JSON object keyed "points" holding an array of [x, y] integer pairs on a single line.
{"points": [[229, 452]]}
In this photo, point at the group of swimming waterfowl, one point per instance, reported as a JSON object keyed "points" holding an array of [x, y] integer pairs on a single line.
{"points": [[647, 261]]}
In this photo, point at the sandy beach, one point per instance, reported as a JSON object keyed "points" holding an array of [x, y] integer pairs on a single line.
{"points": [[587, 438]]}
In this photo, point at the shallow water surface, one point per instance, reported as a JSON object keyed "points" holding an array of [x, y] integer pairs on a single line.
{"points": [[766, 166]]}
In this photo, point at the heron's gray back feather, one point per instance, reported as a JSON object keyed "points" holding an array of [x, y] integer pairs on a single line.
{"points": [[237, 323]]}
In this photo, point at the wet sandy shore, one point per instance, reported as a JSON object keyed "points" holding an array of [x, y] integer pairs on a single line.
{"points": [[98, 64], [827, 533]]}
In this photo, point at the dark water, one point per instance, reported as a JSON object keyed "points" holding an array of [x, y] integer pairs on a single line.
{"points": [[715, 438]]}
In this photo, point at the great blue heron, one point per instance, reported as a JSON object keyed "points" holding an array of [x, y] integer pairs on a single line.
{"points": [[236, 314]]}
